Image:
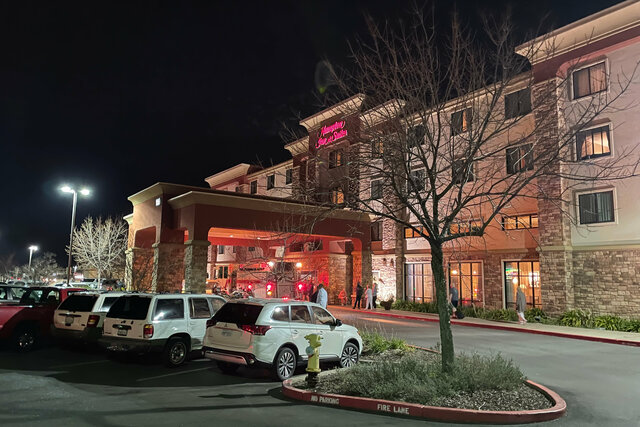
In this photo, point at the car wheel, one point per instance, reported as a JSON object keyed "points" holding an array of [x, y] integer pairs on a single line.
{"points": [[349, 356], [285, 364], [175, 353], [25, 339], [227, 368]]}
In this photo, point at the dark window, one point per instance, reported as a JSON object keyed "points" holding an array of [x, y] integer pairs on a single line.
{"points": [[296, 247], [199, 308], [376, 189], [376, 231], [280, 313], [288, 176], [271, 181], [517, 103], [520, 158], [40, 296], [415, 136], [596, 207], [300, 314], [336, 159], [216, 303], [169, 309], [79, 303], [220, 249], [462, 171], [322, 316], [254, 187], [238, 313], [418, 179], [589, 80], [461, 121], [519, 222], [107, 303], [238, 189], [593, 143], [377, 148], [314, 245], [252, 249], [133, 307], [223, 272]]}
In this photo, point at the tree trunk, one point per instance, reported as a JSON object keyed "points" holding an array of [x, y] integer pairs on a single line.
{"points": [[446, 339]]}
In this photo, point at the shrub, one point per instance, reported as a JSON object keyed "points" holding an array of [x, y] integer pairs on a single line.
{"points": [[375, 343], [577, 318], [533, 313]]}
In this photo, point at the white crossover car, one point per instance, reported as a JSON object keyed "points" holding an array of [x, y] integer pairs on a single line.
{"points": [[172, 324], [271, 332]]}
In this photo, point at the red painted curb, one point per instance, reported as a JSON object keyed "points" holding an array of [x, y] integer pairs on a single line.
{"points": [[433, 412], [508, 328]]}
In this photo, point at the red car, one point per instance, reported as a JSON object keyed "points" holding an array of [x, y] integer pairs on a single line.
{"points": [[25, 324]]}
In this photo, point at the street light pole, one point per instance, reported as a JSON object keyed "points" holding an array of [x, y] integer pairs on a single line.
{"points": [[32, 249], [84, 192]]}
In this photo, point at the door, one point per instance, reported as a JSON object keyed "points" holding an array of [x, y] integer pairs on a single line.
{"points": [[199, 313], [301, 325], [331, 337]]}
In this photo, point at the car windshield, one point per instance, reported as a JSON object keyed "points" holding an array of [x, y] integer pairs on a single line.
{"points": [[40, 296], [130, 307], [240, 314], [79, 303]]}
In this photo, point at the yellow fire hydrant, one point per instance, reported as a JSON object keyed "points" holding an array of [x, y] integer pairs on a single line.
{"points": [[313, 364]]}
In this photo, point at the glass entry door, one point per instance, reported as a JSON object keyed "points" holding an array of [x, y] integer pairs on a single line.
{"points": [[419, 282], [525, 274]]}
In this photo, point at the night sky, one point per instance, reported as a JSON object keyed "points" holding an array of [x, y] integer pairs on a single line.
{"points": [[119, 95]]}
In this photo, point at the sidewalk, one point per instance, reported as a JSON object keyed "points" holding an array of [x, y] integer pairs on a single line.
{"points": [[611, 337]]}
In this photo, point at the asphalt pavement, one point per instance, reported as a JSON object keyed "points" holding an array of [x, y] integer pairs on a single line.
{"points": [[59, 387]]}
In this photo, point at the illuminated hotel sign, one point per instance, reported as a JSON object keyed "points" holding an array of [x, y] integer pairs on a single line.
{"points": [[331, 133]]}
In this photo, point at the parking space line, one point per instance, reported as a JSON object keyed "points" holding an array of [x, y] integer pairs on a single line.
{"points": [[71, 365], [172, 374]]}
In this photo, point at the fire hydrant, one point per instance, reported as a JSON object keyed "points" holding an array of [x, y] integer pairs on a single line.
{"points": [[313, 364]]}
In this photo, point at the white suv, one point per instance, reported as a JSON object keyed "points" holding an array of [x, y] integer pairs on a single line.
{"points": [[271, 332], [81, 316], [173, 324]]}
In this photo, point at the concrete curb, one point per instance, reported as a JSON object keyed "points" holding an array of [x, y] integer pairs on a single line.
{"points": [[435, 413], [508, 328]]}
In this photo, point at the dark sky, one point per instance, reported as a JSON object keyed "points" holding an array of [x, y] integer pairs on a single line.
{"points": [[117, 95]]}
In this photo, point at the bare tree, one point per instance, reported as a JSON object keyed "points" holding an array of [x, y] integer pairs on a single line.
{"points": [[434, 142], [100, 244], [7, 266], [43, 267]]}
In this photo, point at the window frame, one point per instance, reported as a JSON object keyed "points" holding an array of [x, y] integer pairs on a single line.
{"points": [[253, 187], [455, 175], [463, 115], [415, 138], [518, 111], [336, 158], [377, 148], [518, 223], [614, 217], [590, 130], [337, 193], [527, 155], [288, 176], [155, 310], [221, 249], [192, 309], [423, 181], [271, 181], [377, 236], [587, 67], [378, 193]]}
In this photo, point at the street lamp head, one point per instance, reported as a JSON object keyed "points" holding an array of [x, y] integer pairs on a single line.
{"points": [[85, 191], [66, 189], [33, 248]]}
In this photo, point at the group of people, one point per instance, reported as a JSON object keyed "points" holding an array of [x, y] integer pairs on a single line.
{"points": [[521, 303], [370, 294]]}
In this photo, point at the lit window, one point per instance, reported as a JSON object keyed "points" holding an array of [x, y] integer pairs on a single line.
{"points": [[517, 103], [519, 222], [466, 277], [461, 121], [596, 207], [520, 158], [337, 196], [589, 80], [271, 181], [336, 159], [415, 231], [593, 143], [465, 227], [158, 201], [377, 148]]}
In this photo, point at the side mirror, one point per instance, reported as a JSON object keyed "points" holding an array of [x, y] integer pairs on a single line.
{"points": [[338, 322]]}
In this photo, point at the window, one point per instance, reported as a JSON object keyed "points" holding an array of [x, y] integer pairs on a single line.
{"points": [[467, 278], [216, 304], [336, 159], [252, 249], [337, 196], [280, 313], [79, 303], [415, 136], [411, 233], [169, 309], [462, 171], [376, 189], [223, 272], [322, 316], [130, 307], [465, 227], [220, 249], [377, 148], [419, 282], [199, 308], [461, 122], [589, 80], [376, 231], [517, 103], [254, 187], [300, 314], [238, 189], [519, 222], [418, 179], [596, 207], [520, 158], [593, 143], [271, 181], [288, 176], [525, 274]]}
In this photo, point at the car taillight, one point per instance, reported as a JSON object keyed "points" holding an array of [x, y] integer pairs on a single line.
{"points": [[255, 329], [211, 323], [147, 331], [92, 321]]}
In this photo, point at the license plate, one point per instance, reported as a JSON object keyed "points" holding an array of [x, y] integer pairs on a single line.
{"points": [[122, 332], [226, 333], [68, 320]]}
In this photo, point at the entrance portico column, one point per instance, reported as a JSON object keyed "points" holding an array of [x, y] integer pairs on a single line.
{"points": [[167, 267], [138, 270], [195, 265], [367, 265]]}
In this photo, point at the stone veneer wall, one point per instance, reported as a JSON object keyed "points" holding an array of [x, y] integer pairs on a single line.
{"points": [[608, 281], [385, 265]]}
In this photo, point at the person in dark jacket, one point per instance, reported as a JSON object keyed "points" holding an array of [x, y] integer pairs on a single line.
{"points": [[359, 290]]}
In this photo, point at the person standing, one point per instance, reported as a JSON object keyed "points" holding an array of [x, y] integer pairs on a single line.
{"points": [[369, 298], [521, 305], [374, 291], [453, 298], [322, 297], [358, 296]]}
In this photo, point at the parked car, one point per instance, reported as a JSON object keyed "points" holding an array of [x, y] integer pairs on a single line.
{"points": [[26, 324], [81, 316], [10, 294], [172, 324], [271, 332]]}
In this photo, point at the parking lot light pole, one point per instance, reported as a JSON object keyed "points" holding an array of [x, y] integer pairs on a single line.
{"points": [[84, 192], [32, 249]]}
